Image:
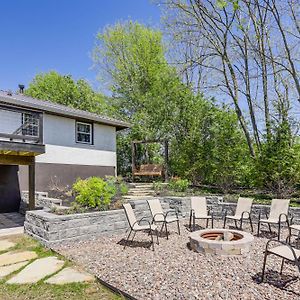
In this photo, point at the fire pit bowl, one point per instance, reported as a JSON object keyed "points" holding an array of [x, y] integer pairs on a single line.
{"points": [[221, 241]]}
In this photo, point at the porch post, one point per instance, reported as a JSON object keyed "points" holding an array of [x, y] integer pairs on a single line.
{"points": [[31, 180]]}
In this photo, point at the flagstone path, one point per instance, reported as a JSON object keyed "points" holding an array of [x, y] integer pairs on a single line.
{"points": [[33, 269]]}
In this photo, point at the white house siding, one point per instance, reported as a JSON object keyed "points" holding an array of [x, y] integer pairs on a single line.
{"points": [[65, 160], [61, 131]]}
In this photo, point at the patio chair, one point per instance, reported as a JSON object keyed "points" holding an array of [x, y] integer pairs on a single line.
{"points": [[160, 217], [292, 229], [278, 214], [136, 226], [284, 251], [199, 211], [242, 212]]}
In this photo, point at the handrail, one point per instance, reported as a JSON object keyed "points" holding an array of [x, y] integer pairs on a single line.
{"points": [[19, 137]]}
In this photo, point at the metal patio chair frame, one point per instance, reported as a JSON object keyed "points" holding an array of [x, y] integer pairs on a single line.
{"points": [[241, 213], [200, 212], [285, 246], [280, 217], [135, 225], [158, 211]]}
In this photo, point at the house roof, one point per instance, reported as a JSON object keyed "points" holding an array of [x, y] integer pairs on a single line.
{"points": [[26, 102]]}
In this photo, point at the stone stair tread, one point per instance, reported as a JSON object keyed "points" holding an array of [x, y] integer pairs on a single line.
{"points": [[37, 270], [9, 258], [6, 244], [70, 275], [6, 270]]}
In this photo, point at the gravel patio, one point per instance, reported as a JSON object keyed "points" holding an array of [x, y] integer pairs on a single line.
{"points": [[173, 271]]}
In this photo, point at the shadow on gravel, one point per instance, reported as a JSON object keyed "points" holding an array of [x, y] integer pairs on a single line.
{"points": [[197, 227], [267, 234], [278, 280], [135, 244]]}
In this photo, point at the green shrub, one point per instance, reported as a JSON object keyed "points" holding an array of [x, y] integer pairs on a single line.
{"points": [[94, 192], [158, 186], [179, 185]]}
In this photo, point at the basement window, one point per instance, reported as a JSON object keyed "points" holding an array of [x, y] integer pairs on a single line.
{"points": [[84, 133]]}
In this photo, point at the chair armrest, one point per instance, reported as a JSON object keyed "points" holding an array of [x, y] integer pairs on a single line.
{"points": [[171, 211], [143, 219], [284, 244], [159, 214], [245, 212], [281, 215]]}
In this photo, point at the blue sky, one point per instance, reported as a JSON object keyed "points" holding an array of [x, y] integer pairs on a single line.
{"points": [[43, 35]]}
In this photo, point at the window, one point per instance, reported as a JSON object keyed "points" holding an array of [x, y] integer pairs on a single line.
{"points": [[30, 124], [84, 133]]}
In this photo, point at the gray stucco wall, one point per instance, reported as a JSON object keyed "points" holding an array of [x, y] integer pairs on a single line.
{"points": [[61, 131]]}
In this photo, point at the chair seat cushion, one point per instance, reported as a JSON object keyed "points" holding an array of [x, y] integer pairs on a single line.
{"points": [[144, 227], [295, 226], [285, 251]]}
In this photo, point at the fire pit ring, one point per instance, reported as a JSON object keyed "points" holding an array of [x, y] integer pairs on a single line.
{"points": [[221, 241]]}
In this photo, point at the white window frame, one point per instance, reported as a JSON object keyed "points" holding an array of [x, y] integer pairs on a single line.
{"points": [[90, 133]]}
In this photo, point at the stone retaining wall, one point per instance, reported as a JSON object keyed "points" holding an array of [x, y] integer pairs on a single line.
{"points": [[50, 228]]}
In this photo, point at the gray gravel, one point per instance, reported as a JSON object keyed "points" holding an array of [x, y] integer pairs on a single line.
{"points": [[173, 271]]}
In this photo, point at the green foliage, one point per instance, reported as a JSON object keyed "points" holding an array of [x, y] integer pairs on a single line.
{"points": [[94, 192], [63, 89], [278, 166], [179, 185], [158, 186]]}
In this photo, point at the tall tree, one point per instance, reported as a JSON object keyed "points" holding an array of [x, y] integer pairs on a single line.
{"points": [[63, 89]]}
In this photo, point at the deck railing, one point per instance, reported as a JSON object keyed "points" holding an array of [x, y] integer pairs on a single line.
{"points": [[19, 125]]}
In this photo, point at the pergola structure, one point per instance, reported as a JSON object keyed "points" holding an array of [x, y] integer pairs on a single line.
{"points": [[150, 169]]}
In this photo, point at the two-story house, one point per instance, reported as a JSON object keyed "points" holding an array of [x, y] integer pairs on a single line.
{"points": [[43, 144]]}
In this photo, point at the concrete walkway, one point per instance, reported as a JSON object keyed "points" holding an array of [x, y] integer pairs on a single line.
{"points": [[32, 269], [11, 223]]}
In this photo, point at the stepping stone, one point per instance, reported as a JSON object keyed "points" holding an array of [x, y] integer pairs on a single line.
{"points": [[9, 258], [70, 275], [37, 270], [6, 270], [6, 244]]}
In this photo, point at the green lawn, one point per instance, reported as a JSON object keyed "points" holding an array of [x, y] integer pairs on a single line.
{"points": [[40, 290]]}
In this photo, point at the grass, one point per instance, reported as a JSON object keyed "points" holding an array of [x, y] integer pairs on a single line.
{"points": [[41, 290]]}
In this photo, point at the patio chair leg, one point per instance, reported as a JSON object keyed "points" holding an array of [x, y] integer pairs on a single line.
{"points": [[133, 236], [258, 228], [157, 241], [178, 227], [190, 224], [166, 230], [224, 222], [270, 229], [241, 225], [281, 269], [152, 239], [279, 227], [251, 224], [212, 222], [125, 244], [235, 223], [264, 267], [206, 223], [194, 223]]}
